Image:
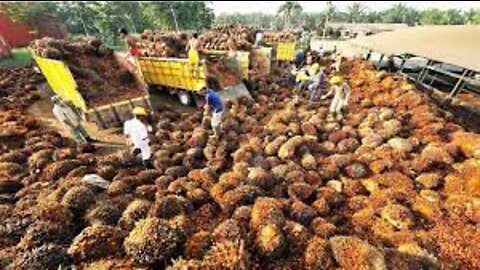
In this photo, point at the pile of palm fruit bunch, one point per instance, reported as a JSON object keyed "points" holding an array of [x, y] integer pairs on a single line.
{"points": [[228, 38], [161, 44], [18, 87], [283, 36], [97, 72], [394, 185]]}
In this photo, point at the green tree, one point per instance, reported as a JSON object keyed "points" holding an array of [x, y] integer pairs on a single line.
{"points": [[433, 16], [401, 13], [373, 17], [356, 12], [289, 10], [472, 16], [454, 17]]}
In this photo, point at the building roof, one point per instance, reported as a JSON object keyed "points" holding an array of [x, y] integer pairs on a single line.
{"points": [[370, 26], [456, 45]]}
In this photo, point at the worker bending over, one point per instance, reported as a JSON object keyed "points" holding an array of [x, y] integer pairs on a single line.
{"points": [[215, 103], [70, 120], [341, 92], [302, 80], [136, 130]]}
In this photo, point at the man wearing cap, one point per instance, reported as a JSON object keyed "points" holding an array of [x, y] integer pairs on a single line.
{"points": [[70, 120], [341, 92], [136, 130], [214, 102]]}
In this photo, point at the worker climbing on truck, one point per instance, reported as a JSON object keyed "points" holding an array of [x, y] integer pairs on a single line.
{"points": [[70, 120], [341, 91], [215, 103], [137, 130], [193, 55]]}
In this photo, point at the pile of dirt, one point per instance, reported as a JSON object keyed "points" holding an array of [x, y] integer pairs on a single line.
{"points": [[18, 87], [100, 78]]}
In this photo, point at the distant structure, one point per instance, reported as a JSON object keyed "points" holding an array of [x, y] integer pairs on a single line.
{"points": [[352, 30]]}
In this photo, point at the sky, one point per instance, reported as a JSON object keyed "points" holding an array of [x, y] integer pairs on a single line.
{"points": [[316, 6]]}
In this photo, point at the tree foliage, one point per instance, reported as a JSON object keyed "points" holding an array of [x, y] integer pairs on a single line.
{"points": [[290, 11], [104, 18], [288, 16]]}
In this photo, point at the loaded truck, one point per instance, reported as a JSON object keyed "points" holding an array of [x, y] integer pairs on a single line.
{"points": [[178, 76], [62, 82]]}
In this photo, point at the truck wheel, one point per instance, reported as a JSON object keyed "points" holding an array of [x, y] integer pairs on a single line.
{"points": [[185, 98]]}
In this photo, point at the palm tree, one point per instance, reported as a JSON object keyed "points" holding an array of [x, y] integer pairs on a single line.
{"points": [[356, 12], [329, 13], [288, 10]]}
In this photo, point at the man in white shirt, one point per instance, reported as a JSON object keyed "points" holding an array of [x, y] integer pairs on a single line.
{"points": [[136, 130], [258, 39], [70, 120]]}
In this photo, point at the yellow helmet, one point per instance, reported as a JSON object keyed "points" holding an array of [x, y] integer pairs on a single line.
{"points": [[139, 111], [301, 76], [336, 80], [314, 68]]}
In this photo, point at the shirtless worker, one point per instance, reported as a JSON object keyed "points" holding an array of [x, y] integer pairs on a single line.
{"points": [[131, 42], [193, 55]]}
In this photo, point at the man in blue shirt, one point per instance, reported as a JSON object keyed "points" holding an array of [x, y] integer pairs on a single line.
{"points": [[299, 58], [214, 102]]}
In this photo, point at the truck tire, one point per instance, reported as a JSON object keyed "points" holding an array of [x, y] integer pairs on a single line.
{"points": [[185, 98]]}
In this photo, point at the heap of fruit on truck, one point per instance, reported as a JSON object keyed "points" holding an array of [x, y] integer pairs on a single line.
{"points": [[392, 185]]}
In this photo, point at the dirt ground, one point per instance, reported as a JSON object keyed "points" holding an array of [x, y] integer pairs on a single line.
{"points": [[110, 140]]}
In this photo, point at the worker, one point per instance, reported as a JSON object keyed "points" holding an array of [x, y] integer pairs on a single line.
{"points": [[291, 75], [340, 100], [259, 39], [338, 62], [131, 42], [136, 130], [318, 85], [215, 103], [302, 80], [299, 58], [193, 55], [70, 120]]}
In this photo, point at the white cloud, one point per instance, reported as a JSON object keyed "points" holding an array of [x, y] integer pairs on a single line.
{"points": [[271, 7]]}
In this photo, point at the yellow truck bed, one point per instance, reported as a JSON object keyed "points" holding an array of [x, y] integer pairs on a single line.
{"points": [[179, 73], [171, 72], [285, 51], [62, 82]]}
